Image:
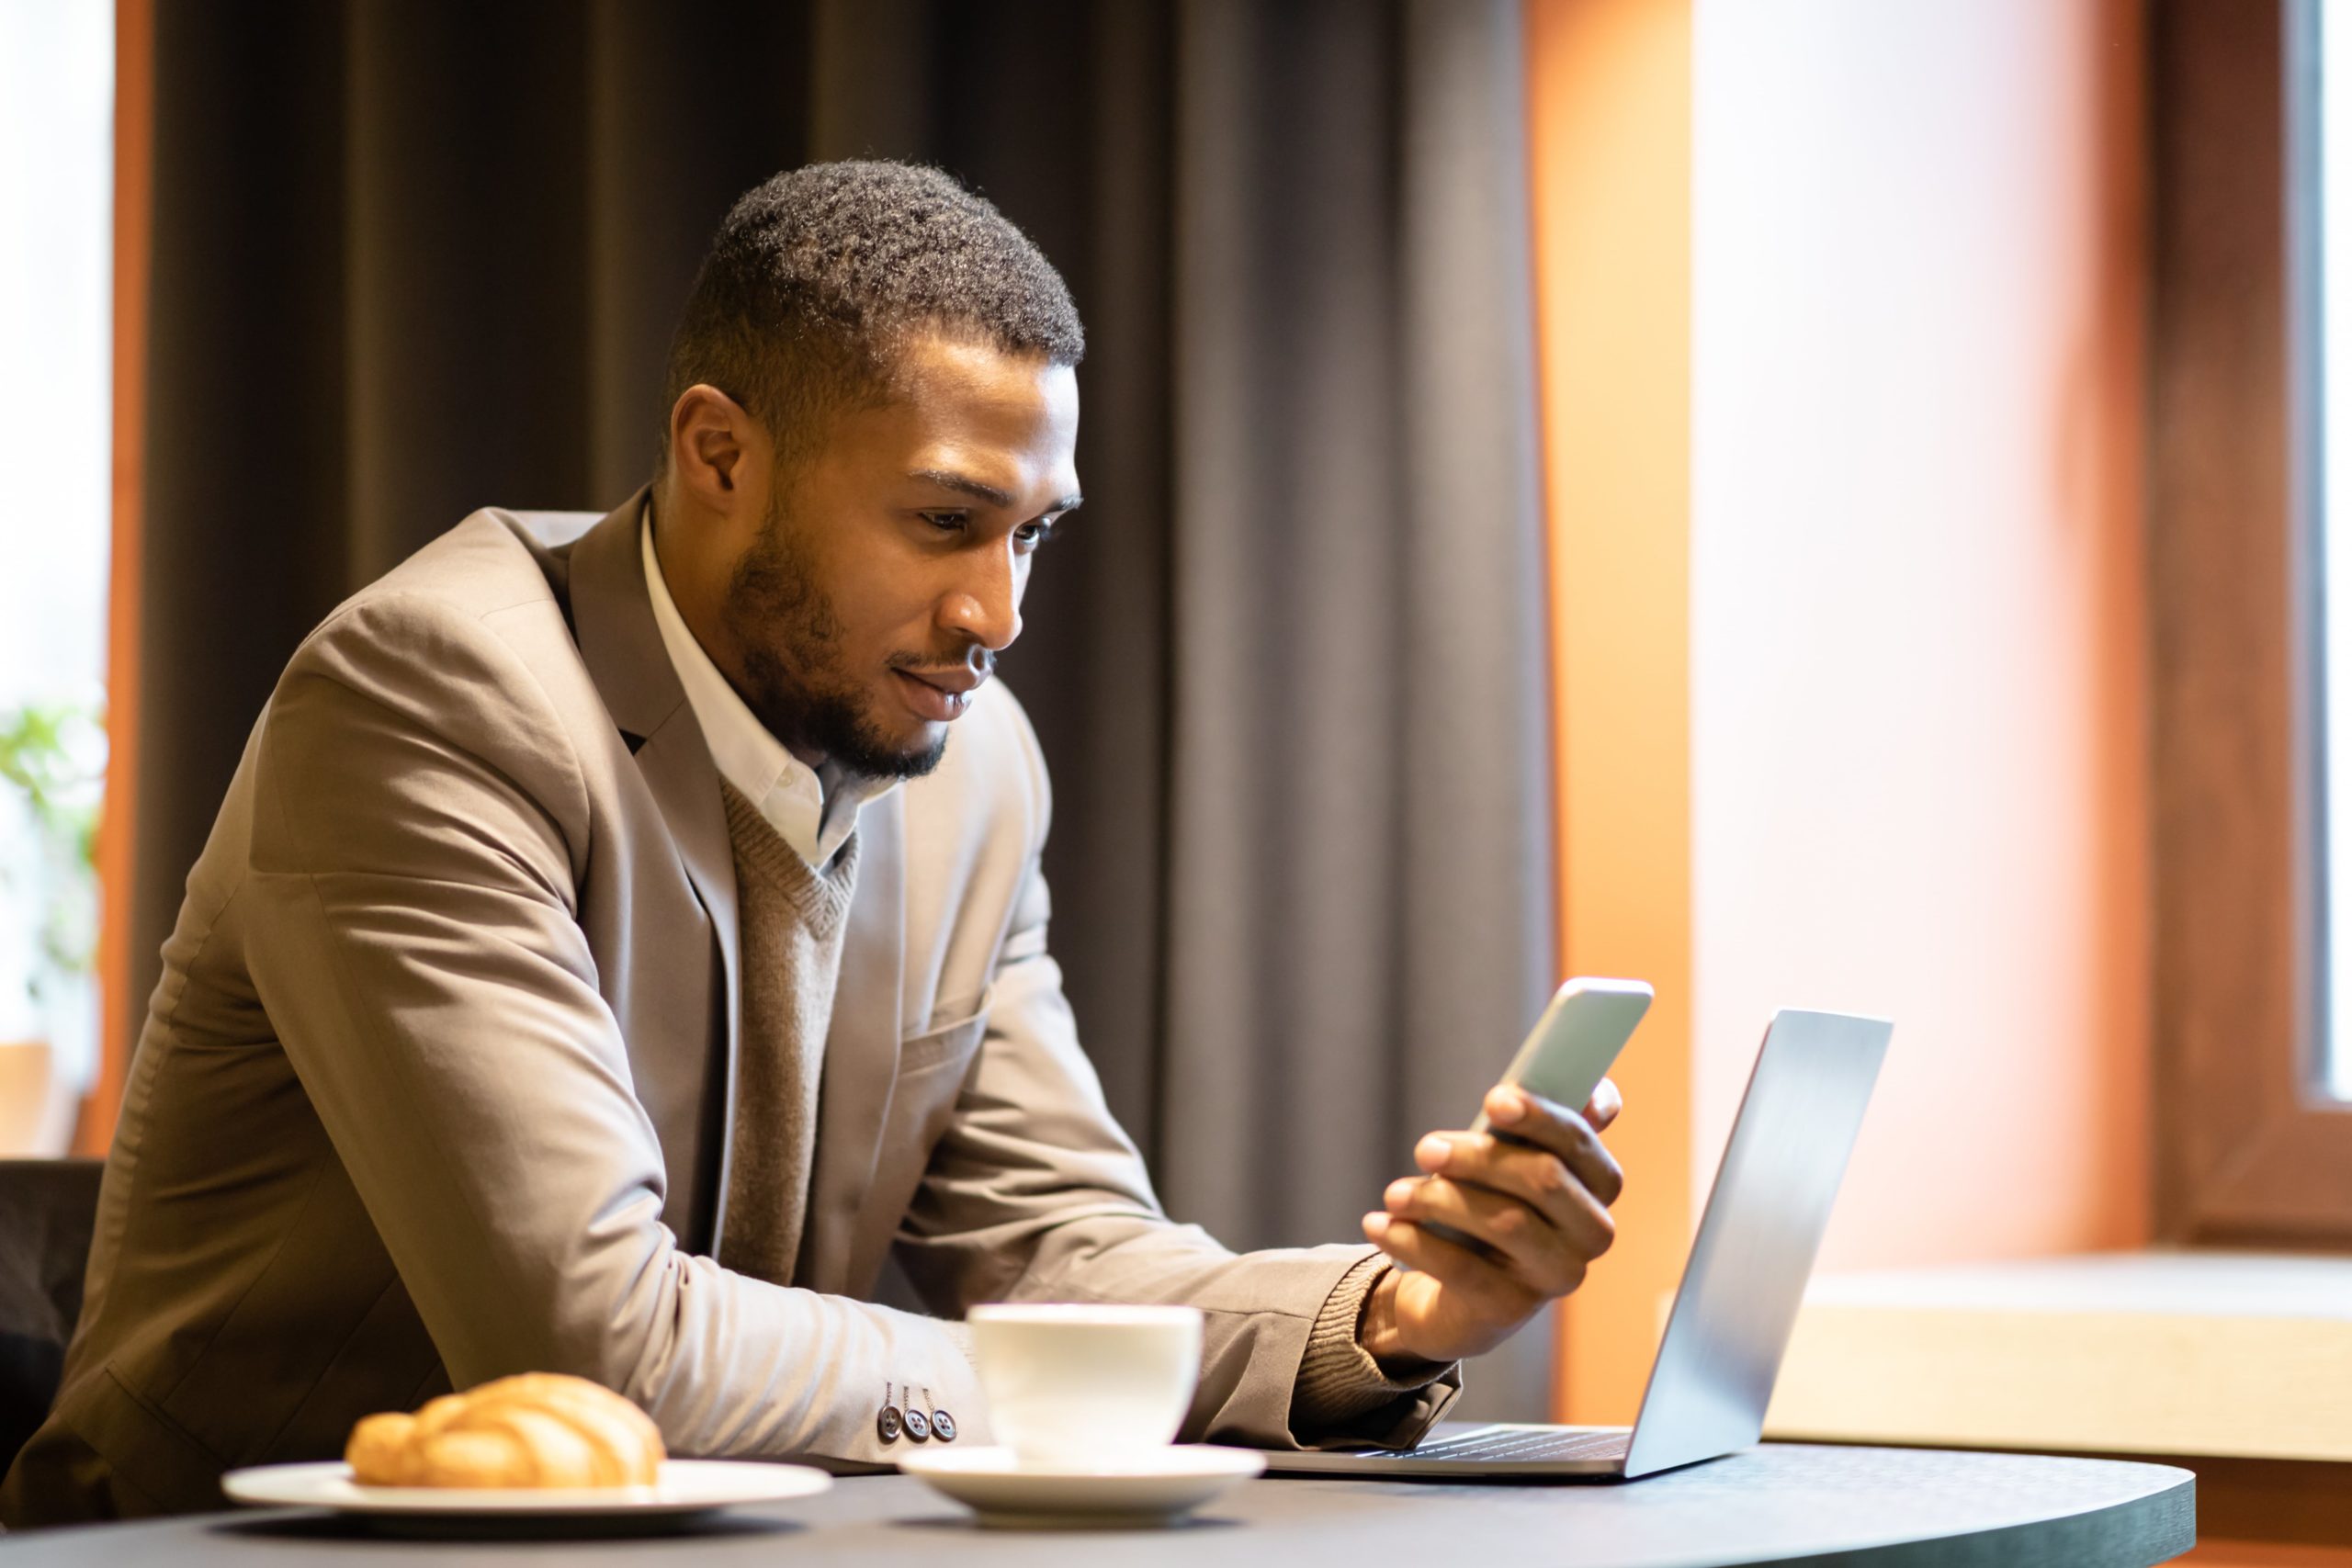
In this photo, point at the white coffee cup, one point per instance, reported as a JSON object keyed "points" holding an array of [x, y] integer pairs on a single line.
{"points": [[1086, 1385]]}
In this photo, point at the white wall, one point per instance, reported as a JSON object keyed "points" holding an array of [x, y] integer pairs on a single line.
{"points": [[1916, 707]]}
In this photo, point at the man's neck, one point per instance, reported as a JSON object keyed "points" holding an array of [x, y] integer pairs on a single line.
{"points": [[702, 614], [699, 600]]}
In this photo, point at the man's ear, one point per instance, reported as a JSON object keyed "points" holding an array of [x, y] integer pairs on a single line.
{"points": [[715, 445]]}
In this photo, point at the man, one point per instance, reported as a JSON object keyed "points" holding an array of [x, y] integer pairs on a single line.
{"points": [[620, 942]]}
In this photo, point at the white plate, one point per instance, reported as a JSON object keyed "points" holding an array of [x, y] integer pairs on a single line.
{"points": [[686, 1487], [1152, 1489]]}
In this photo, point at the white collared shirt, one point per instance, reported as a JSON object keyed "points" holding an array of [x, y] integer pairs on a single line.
{"points": [[814, 809]]}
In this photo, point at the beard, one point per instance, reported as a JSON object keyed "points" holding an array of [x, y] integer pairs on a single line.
{"points": [[800, 685]]}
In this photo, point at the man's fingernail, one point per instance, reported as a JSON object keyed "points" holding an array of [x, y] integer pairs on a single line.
{"points": [[1433, 1151], [1505, 1105], [1375, 1225]]}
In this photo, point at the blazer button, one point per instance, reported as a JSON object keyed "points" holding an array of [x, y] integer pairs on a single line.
{"points": [[942, 1426], [888, 1424], [918, 1425]]}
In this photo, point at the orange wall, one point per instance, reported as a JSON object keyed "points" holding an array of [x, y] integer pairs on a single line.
{"points": [[134, 98], [1838, 306], [1609, 161], [1916, 712]]}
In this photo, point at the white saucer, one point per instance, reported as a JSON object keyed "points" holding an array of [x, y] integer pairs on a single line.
{"points": [[686, 1487], [1153, 1488]]}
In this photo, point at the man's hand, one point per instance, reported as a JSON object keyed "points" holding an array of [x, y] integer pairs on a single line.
{"points": [[1534, 1193]]}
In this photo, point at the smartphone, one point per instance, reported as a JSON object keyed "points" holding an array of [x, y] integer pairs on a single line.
{"points": [[1569, 1050], [1566, 1055]]}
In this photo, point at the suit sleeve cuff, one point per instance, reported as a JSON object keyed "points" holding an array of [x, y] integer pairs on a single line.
{"points": [[1339, 1381]]}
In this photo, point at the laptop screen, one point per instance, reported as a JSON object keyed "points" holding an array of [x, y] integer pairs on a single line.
{"points": [[1757, 1238]]}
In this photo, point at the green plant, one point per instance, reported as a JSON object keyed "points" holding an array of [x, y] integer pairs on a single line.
{"points": [[52, 755]]}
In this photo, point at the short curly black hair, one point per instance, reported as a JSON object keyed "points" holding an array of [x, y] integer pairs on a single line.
{"points": [[817, 274]]}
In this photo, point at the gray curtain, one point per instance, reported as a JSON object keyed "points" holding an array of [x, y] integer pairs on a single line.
{"points": [[1356, 874], [1288, 665]]}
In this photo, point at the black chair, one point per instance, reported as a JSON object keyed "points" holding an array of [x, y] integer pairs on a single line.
{"points": [[48, 1208]]}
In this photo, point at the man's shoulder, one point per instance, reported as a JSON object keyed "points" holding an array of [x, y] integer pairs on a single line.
{"points": [[499, 576], [475, 624], [493, 560]]}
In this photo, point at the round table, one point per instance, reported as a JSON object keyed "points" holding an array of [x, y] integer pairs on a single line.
{"points": [[1777, 1504]]}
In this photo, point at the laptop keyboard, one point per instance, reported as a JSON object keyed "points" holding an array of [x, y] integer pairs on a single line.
{"points": [[1523, 1445]]}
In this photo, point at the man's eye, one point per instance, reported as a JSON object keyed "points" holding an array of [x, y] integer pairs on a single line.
{"points": [[945, 522], [1034, 534]]}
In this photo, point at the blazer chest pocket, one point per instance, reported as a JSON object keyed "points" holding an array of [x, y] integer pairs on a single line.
{"points": [[953, 1042], [932, 1067]]}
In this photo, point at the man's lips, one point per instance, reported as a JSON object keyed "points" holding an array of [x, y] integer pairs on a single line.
{"points": [[959, 678], [938, 695]]}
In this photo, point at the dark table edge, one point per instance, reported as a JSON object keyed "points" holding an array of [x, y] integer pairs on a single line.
{"points": [[2142, 1531]]}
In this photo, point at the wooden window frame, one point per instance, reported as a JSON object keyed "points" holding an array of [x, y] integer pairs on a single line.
{"points": [[119, 1009], [2249, 1151]]}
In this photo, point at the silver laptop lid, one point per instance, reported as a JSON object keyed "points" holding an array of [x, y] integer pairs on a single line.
{"points": [[1757, 1238]]}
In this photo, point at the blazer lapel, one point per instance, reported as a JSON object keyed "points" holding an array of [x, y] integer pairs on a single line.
{"points": [[861, 1057], [621, 643]]}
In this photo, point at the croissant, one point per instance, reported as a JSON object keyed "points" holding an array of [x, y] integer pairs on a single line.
{"points": [[537, 1429]]}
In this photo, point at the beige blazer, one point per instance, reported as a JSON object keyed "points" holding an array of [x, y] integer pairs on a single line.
{"points": [[435, 1086]]}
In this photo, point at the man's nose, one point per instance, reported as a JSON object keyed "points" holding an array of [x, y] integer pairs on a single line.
{"points": [[985, 607]]}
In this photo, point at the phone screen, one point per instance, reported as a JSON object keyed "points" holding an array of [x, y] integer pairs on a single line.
{"points": [[1572, 1046]]}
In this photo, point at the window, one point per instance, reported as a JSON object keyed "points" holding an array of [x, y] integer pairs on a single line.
{"points": [[2253, 1143], [57, 188]]}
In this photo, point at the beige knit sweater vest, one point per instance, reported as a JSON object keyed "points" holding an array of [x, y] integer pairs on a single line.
{"points": [[792, 920]]}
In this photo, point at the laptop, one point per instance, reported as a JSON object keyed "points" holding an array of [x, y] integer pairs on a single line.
{"points": [[1740, 1291]]}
